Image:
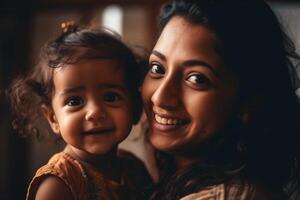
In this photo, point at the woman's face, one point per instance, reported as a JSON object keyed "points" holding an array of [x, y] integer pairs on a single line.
{"points": [[188, 94]]}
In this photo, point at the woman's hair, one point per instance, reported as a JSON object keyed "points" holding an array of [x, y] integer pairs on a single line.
{"points": [[27, 93], [261, 141]]}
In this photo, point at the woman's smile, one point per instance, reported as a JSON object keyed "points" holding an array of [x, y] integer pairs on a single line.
{"points": [[167, 120], [166, 123]]}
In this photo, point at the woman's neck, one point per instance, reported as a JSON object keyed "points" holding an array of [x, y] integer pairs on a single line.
{"points": [[183, 161]]}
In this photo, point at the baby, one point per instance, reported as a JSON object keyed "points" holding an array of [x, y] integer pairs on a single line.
{"points": [[87, 87]]}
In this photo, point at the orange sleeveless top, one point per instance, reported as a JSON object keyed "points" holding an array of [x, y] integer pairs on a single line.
{"points": [[86, 183]]}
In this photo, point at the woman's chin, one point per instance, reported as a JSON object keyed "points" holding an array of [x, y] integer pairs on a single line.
{"points": [[164, 144]]}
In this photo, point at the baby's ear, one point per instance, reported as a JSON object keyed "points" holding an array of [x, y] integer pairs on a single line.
{"points": [[50, 116]]}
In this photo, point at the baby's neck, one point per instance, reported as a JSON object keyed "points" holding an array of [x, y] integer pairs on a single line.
{"points": [[108, 164]]}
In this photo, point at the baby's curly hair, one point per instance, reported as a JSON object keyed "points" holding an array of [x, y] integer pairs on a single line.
{"points": [[29, 92]]}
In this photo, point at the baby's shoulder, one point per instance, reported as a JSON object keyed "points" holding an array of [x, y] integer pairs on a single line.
{"points": [[50, 188], [62, 168]]}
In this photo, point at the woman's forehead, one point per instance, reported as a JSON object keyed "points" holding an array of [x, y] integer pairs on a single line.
{"points": [[178, 29], [182, 41]]}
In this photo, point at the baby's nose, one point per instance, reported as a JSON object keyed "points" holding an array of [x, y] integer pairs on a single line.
{"points": [[95, 112]]}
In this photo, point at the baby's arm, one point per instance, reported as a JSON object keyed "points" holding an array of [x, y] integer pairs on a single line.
{"points": [[53, 188]]}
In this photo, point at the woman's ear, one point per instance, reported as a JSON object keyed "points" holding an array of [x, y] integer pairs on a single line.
{"points": [[250, 108], [50, 116]]}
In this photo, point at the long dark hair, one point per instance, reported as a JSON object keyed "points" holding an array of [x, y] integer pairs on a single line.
{"points": [[28, 92], [262, 139]]}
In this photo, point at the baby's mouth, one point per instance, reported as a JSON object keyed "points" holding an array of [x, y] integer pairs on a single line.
{"points": [[98, 131]]}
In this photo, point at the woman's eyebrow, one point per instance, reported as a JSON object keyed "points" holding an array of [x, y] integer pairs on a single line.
{"points": [[158, 54]]}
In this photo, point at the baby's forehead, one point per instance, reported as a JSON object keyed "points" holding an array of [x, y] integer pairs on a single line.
{"points": [[103, 69], [91, 74], [96, 67]]}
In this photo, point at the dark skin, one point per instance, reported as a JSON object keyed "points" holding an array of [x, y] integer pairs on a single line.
{"points": [[53, 188], [188, 94], [88, 98]]}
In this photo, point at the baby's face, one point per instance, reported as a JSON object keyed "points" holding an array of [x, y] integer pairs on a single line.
{"points": [[92, 107]]}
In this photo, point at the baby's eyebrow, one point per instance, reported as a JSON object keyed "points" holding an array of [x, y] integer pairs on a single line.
{"points": [[72, 90], [111, 86]]}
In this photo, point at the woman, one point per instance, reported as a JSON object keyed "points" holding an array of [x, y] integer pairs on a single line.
{"points": [[221, 105]]}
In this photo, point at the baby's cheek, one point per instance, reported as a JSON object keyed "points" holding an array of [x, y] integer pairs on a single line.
{"points": [[70, 122], [125, 120]]}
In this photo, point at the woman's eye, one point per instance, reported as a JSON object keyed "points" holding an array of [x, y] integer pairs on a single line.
{"points": [[156, 69], [111, 97], [74, 101], [198, 79]]}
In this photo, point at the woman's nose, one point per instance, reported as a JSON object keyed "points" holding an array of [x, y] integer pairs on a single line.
{"points": [[95, 112], [167, 94]]}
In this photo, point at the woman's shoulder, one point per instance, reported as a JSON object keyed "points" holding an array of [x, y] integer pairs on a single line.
{"points": [[240, 188], [216, 192], [234, 189]]}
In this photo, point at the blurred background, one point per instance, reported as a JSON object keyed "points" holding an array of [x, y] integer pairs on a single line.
{"points": [[26, 25]]}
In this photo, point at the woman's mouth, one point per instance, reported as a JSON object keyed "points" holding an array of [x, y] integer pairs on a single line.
{"points": [[165, 124], [168, 121]]}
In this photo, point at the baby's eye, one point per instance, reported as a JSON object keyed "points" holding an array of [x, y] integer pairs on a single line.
{"points": [[198, 79], [74, 101], [111, 97], [156, 69]]}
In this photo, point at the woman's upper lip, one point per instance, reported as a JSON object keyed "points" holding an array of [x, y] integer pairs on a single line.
{"points": [[166, 113], [170, 116]]}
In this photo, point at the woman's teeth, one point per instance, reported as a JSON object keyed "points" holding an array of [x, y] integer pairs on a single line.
{"points": [[167, 121]]}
